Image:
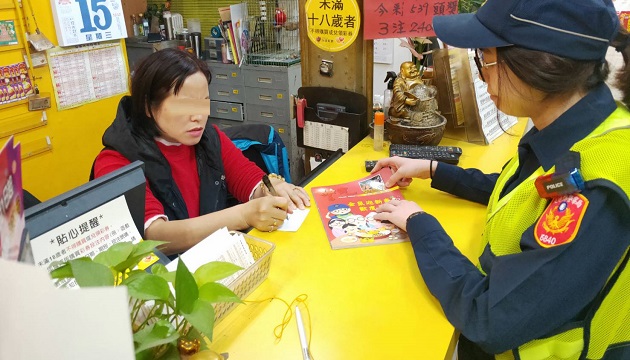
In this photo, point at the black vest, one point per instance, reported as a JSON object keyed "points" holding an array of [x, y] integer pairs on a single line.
{"points": [[213, 190]]}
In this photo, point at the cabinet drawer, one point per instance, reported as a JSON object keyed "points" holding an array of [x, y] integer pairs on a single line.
{"points": [[227, 92], [268, 97], [267, 114], [222, 123], [268, 77], [226, 110], [227, 74]]}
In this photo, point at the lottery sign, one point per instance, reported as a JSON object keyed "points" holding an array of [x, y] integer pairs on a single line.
{"points": [[403, 18], [332, 25]]}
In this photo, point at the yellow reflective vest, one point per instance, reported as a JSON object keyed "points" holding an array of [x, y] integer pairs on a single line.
{"points": [[508, 217]]}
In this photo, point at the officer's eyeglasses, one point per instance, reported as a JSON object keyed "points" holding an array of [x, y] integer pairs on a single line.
{"points": [[481, 64]]}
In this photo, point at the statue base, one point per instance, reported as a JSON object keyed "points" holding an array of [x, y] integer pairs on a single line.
{"points": [[402, 131]]}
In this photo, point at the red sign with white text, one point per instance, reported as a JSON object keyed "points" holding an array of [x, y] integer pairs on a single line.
{"points": [[403, 18]]}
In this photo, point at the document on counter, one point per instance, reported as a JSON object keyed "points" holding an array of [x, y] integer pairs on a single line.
{"points": [[295, 220]]}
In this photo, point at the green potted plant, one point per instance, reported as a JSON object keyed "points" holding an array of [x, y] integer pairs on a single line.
{"points": [[468, 6], [166, 324]]}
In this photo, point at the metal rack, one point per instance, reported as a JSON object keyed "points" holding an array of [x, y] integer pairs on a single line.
{"points": [[274, 32]]}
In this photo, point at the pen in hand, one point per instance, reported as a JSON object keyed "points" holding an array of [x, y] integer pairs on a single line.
{"points": [[272, 190], [269, 186]]}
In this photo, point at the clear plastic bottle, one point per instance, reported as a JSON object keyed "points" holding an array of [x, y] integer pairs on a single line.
{"points": [[145, 26], [379, 130], [135, 25], [140, 27]]}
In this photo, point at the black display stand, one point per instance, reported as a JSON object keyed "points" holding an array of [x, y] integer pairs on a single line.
{"points": [[354, 116]]}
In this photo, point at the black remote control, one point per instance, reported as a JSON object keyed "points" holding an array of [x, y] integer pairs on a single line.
{"points": [[370, 164], [447, 154]]}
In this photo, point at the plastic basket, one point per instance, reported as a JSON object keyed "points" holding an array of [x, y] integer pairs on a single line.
{"points": [[249, 279]]}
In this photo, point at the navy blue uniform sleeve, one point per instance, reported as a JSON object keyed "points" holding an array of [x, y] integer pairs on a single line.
{"points": [[469, 184], [526, 295]]}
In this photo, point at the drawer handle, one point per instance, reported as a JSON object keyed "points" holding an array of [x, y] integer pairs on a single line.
{"points": [[264, 80], [266, 114], [265, 97], [222, 76], [223, 93], [222, 111]]}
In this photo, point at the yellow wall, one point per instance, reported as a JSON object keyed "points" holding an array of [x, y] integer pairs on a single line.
{"points": [[75, 133]]}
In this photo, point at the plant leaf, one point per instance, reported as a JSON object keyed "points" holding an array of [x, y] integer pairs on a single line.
{"points": [[161, 271], [161, 332], [214, 292], [62, 272], [128, 276], [145, 247], [140, 250], [146, 354], [215, 270], [147, 287], [186, 290], [130, 263], [116, 254], [201, 317], [171, 353], [88, 273], [193, 333]]}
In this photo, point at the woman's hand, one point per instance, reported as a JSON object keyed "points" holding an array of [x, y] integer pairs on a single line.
{"points": [[266, 213], [404, 170], [297, 196], [397, 212]]}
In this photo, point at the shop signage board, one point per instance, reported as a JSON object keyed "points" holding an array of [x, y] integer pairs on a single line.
{"points": [[408, 18], [332, 25]]}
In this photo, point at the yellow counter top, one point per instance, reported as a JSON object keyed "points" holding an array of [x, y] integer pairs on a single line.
{"points": [[365, 303]]}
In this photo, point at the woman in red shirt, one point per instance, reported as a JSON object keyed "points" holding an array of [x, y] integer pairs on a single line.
{"points": [[190, 167]]}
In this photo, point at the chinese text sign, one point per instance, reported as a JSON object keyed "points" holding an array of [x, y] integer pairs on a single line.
{"points": [[332, 25], [86, 235], [403, 18]]}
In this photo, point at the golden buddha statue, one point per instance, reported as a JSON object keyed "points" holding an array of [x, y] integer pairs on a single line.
{"points": [[407, 103]]}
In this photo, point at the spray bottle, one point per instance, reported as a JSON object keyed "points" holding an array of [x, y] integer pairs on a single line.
{"points": [[387, 95]]}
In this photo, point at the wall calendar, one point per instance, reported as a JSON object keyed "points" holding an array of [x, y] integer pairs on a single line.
{"points": [[87, 21], [87, 73]]}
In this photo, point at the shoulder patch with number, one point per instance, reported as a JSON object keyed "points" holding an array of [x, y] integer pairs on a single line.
{"points": [[561, 220]]}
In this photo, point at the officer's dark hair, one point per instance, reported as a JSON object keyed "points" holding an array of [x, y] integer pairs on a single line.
{"points": [[553, 75], [154, 79]]}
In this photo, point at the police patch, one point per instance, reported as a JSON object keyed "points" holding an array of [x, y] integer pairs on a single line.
{"points": [[561, 220]]}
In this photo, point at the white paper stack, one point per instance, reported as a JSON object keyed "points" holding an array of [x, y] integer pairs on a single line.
{"points": [[218, 246]]}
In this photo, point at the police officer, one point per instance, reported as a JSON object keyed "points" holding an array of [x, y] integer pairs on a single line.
{"points": [[553, 279]]}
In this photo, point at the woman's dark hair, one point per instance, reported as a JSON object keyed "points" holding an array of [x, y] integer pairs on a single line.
{"points": [[152, 82], [552, 74]]}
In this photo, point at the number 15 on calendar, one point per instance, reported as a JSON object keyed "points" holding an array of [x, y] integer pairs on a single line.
{"points": [[86, 21]]}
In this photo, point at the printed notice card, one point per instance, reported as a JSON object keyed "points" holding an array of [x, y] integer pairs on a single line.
{"points": [[347, 212], [87, 235]]}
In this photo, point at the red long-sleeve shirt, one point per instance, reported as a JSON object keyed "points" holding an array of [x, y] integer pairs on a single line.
{"points": [[241, 175]]}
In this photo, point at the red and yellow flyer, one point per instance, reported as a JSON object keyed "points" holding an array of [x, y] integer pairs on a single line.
{"points": [[347, 212]]}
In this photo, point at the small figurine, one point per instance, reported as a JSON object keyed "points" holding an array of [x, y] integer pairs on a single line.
{"points": [[411, 99]]}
